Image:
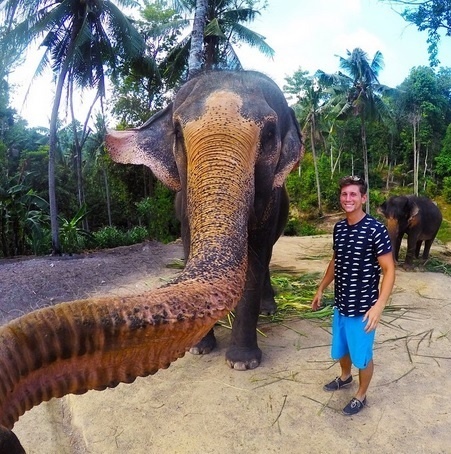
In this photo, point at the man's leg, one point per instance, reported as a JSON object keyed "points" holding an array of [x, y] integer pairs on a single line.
{"points": [[345, 364], [365, 376]]}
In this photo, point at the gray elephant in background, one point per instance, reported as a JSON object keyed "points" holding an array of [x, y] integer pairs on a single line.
{"points": [[417, 217]]}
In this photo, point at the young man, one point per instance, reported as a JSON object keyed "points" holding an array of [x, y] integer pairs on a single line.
{"points": [[361, 250]]}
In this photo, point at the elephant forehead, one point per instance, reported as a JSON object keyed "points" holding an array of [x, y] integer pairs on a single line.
{"points": [[221, 106], [222, 116]]}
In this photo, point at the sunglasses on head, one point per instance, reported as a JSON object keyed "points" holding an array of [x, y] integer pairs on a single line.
{"points": [[353, 178]]}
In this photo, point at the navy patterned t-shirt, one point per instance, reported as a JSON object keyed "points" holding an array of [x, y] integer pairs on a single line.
{"points": [[357, 271]]}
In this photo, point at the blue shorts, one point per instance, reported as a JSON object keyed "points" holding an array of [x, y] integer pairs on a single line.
{"points": [[349, 337]]}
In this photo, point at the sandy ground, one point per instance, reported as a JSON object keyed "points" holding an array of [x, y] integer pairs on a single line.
{"points": [[199, 405]]}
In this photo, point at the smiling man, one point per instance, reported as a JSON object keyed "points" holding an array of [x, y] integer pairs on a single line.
{"points": [[361, 250]]}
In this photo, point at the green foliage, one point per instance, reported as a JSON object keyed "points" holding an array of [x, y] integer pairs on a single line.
{"points": [[430, 16], [73, 237], [23, 217], [297, 227], [137, 234], [158, 214], [446, 191], [111, 237], [443, 160]]}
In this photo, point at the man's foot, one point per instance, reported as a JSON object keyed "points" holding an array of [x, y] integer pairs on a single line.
{"points": [[337, 383], [354, 407]]}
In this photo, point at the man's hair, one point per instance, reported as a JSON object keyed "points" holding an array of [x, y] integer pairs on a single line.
{"points": [[353, 179]]}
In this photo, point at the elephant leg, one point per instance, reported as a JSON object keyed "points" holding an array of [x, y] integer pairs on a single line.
{"points": [[410, 254], [417, 248], [244, 352], [206, 345], [427, 248], [268, 304], [397, 248]]}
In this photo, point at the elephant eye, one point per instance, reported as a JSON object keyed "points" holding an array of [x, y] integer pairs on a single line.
{"points": [[269, 131], [178, 131], [268, 139]]}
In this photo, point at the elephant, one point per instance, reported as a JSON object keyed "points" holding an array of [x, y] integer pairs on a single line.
{"points": [[226, 145], [417, 217]]}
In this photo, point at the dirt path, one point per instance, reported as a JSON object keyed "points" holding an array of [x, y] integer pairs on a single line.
{"points": [[199, 405]]}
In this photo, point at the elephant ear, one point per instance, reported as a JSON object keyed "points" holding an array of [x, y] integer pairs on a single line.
{"points": [[151, 145], [291, 150], [414, 211], [382, 209]]}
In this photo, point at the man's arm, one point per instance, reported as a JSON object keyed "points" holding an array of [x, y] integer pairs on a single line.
{"points": [[374, 314], [326, 280]]}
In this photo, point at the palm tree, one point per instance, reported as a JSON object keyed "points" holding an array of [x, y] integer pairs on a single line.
{"points": [[310, 99], [81, 38], [197, 38], [223, 29], [356, 91]]}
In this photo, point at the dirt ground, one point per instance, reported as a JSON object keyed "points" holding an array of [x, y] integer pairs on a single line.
{"points": [[199, 405]]}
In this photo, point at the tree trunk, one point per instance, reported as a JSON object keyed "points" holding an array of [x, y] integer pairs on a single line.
{"points": [[78, 155], [315, 163], [56, 247], [107, 194], [365, 163], [197, 39]]}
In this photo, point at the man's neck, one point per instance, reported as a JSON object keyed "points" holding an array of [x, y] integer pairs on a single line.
{"points": [[354, 218]]}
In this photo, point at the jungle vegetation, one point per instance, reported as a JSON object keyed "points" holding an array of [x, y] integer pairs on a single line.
{"points": [[60, 192]]}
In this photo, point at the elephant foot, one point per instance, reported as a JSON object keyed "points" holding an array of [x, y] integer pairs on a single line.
{"points": [[407, 266], [205, 346], [268, 306], [9, 443], [240, 358]]}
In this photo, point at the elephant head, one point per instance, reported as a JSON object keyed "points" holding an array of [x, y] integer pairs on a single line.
{"points": [[401, 213], [227, 142]]}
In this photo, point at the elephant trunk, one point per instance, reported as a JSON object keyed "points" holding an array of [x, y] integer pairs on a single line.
{"points": [[100, 342], [393, 232]]}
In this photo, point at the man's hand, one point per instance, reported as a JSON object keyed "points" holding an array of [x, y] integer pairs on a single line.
{"points": [[372, 318], [316, 302]]}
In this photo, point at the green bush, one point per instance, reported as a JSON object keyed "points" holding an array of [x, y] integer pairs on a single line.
{"points": [[137, 234], [73, 238], [447, 189], [157, 213], [297, 227], [109, 237]]}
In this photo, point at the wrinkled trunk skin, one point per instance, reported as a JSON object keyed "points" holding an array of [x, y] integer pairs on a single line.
{"points": [[98, 343]]}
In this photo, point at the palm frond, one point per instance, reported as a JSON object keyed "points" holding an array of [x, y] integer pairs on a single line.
{"points": [[253, 39]]}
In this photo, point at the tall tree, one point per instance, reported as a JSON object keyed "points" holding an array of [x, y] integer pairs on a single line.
{"points": [[310, 99], [357, 92], [223, 31], [141, 87], [197, 38], [423, 99], [428, 15], [81, 38]]}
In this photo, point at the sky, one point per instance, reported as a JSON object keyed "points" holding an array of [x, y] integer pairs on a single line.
{"points": [[304, 34]]}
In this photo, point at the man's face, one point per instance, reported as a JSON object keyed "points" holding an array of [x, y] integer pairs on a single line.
{"points": [[351, 199]]}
